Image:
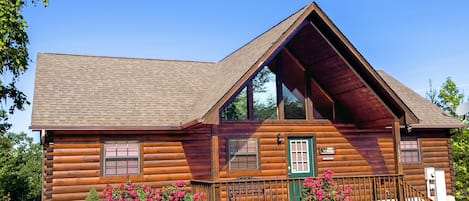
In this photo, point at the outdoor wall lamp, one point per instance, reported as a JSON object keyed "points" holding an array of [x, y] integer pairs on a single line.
{"points": [[279, 139]]}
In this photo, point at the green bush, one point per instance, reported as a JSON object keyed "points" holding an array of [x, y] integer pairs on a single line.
{"points": [[92, 195]]}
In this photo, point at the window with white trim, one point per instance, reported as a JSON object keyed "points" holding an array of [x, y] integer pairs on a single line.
{"points": [[243, 154], [299, 153], [121, 158], [410, 150]]}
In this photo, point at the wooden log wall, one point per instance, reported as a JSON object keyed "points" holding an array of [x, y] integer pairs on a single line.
{"points": [[435, 149], [72, 161], [166, 158], [358, 151]]}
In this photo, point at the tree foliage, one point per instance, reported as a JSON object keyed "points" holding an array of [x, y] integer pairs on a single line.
{"points": [[14, 57], [448, 99], [20, 168]]}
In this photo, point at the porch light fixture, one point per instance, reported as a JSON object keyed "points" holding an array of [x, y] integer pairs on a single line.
{"points": [[408, 128], [279, 139]]}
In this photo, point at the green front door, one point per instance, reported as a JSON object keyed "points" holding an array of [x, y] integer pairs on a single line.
{"points": [[301, 163]]}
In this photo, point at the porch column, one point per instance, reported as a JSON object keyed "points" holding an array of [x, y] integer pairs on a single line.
{"points": [[396, 132], [215, 156]]}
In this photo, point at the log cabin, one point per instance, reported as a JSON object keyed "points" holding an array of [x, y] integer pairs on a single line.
{"points": [[295, 101]]}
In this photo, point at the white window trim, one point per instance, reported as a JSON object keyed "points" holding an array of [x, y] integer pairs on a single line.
{"points": [[307, 156]]}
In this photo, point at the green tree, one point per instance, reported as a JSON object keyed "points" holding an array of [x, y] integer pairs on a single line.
{"points": [[14, 57], [92, 195], [449, 97], [20, 167]]}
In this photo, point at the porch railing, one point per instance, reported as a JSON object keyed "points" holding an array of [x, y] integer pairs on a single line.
{"points": [[364, 188]]}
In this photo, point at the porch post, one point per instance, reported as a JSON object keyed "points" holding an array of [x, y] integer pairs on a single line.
{"points": [[396, 132], [215, 156]]}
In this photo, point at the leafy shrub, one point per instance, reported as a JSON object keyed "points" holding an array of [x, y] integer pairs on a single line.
{"points": [[92, 195], [324, 189]]}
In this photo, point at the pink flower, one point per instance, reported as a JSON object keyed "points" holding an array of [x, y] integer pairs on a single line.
{"points": [[349, 190], [318, 184], [180, 183], [320, 194], [328, 174]]}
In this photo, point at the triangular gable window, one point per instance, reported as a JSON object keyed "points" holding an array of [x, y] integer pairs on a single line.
{"points": [[277, 91]]}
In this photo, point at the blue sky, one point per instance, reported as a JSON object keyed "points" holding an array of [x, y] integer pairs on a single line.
{"points": [[412, 40]]}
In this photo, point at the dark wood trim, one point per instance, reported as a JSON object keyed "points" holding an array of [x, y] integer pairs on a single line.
{"points": [[396, 132], [283, 121], [279, 85], [250, 101], [309, 105], [215, 154]]}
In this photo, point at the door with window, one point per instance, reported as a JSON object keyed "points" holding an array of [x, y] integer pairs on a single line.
{"points": [[301, 162]]}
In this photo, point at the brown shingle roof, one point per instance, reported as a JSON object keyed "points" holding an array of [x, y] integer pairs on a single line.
{"points": [[75, 91], [88, 91], [430, 116]]}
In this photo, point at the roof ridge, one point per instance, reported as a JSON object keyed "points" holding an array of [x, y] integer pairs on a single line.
{"points": [[129, 58]]}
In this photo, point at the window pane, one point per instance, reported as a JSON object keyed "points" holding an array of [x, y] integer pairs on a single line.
{"points": [[265, 94], [299, 153], [243, 154], [410, 152], [121, 158], [294, 103], [237, 109]]}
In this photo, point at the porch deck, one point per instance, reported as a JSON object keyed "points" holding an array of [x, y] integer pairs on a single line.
{"points": [[364, 188]]}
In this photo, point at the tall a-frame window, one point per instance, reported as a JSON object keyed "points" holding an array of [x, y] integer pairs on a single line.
{"points": [[277, 91]]}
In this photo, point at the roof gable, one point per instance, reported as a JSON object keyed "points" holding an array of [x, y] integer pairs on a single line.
{"points": [[105, 92]]}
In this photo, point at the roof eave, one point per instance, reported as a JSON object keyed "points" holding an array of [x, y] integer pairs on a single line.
{"points": [[445, 126], [106, 128]]}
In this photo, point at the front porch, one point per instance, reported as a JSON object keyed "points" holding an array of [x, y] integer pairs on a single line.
{"points": [[364, 188]]}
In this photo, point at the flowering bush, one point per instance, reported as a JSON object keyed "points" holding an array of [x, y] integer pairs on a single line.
{"points": [[324, 189], [134, 192]]}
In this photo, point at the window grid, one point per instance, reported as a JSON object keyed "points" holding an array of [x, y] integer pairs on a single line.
{"points": [[299, 150], [121, 158], [410, 151], [243, 154]]}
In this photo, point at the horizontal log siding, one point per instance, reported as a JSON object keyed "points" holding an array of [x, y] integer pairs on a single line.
{"points": [[166, 159], [435, 149], [358, 151]]}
